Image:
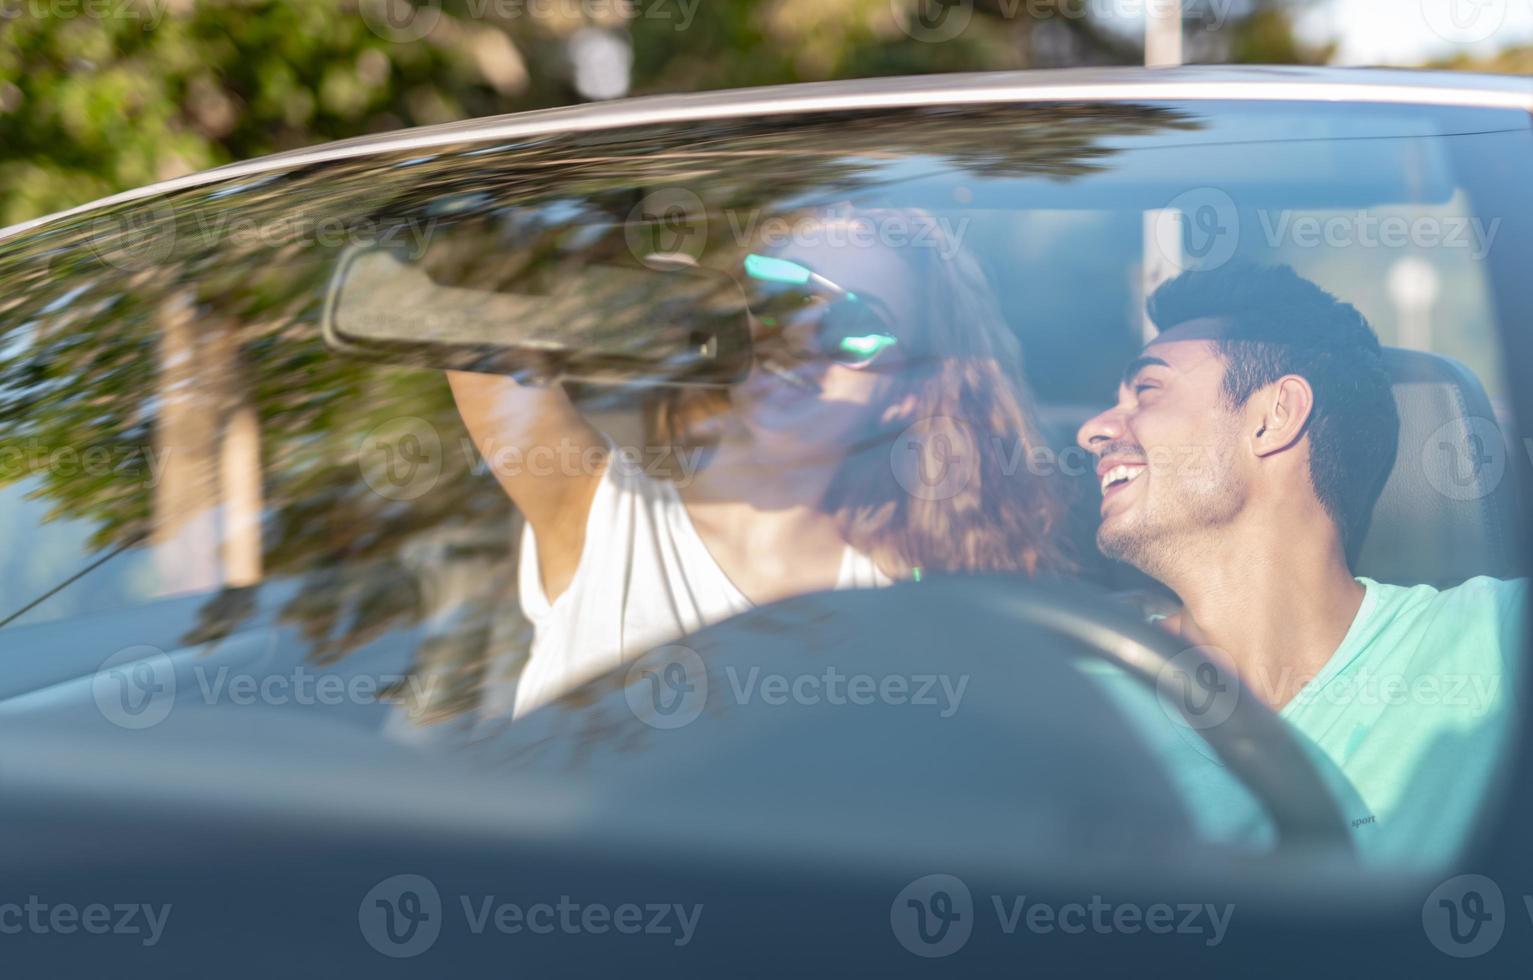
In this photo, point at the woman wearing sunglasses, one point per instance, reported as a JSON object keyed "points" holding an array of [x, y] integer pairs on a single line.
{"points": [[881, 435]]}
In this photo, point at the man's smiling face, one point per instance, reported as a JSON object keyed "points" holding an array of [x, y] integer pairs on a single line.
{"points": [[1167, 452]]}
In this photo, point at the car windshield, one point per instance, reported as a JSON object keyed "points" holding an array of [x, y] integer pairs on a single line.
{"points": [[448, 444]]}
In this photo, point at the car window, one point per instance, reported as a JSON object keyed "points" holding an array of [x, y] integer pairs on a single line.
{"points": [[212, 442]]}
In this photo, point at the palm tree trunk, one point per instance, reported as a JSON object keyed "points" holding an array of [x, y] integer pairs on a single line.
{"points": [[185, 534]]}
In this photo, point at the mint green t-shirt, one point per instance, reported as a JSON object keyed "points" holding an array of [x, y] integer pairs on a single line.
{"points": [[1221, 808], [1417, 708]]}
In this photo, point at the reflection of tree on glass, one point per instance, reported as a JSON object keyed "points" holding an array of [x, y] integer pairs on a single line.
{"points": [[267, 481], [869, 443]]}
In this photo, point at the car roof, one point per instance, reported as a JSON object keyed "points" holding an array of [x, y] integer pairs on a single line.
{"points": [[1188, 83]]}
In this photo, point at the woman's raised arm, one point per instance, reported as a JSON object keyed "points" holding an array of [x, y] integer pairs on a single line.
{"points": [[541, 450]]}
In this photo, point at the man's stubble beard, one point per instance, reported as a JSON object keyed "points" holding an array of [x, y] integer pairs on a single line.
{"points": [[1158, 543]]}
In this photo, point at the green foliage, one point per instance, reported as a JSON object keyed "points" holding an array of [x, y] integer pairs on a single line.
{"points": [[96, 104], [1516, 60], [1267, 37], [98, 96]]}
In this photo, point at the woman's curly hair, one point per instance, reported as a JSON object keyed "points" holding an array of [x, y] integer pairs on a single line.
{"points": [[993, 512]]}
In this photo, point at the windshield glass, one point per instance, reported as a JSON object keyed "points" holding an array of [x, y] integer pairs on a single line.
{"points": [[452, 434]]}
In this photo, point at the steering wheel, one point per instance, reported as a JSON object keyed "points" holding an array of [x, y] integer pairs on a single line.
{"points": [[694, 720], [1248, 737]]}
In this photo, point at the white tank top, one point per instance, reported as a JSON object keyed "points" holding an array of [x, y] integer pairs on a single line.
{"points": [[644, 579]]}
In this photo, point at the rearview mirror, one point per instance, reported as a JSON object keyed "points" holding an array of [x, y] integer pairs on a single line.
{"points": [[664, 321]]}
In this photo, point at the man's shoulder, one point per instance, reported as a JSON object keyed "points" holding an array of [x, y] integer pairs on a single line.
{"points": [[1483, 588], [1474, 625], [1481, 594]]}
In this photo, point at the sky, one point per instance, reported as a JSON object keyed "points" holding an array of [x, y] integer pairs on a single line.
{"points": [[1384, 32], [1405, 32]]}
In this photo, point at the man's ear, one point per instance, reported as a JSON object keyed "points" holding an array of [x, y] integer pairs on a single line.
{"points": [[1282, 412]]}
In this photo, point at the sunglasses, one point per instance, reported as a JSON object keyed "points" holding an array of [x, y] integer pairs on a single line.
{"points": [[817, 317]]}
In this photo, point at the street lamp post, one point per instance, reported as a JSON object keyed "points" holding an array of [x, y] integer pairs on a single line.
{"points": [[1162, 229], [1163, 33]]}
